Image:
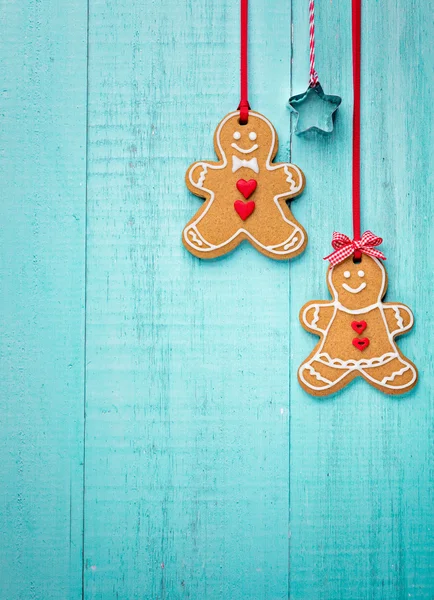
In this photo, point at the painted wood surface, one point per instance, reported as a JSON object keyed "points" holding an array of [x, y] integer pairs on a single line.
{"points": [[43, 174], [361, 463], [202, 469]]}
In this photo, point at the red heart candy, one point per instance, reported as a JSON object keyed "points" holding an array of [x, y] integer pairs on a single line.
{"points": [[244, 209], [359, 326], [246, 187], [361, 343]]}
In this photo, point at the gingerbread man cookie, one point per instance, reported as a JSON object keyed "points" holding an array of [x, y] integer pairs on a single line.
{"points": [[357, 332], [245, 194]]}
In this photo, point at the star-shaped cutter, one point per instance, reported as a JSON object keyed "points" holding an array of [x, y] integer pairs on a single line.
{"points": [[315, 110]]}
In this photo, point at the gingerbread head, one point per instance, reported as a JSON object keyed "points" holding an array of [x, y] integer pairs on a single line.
{"points": [[256, 141], [245, 194], [356, 285]]}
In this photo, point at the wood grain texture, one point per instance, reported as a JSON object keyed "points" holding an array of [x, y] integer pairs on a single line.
{"points": [[361, 462], [209, 473], [43, 173], [187, 415]]}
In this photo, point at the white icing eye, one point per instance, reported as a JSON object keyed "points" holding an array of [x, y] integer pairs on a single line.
{"points": [[361, 273], [252, 136], [347, 274], [237, 135]]}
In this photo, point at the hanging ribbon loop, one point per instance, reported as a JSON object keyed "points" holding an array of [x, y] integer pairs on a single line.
{"points": [[345, 247], [244, 108]]}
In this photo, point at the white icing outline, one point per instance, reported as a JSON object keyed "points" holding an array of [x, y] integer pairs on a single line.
{"points": [[398, 317], [195, 237], [252, 149], [318, 376], [399, 320], [202, 175], [395, 374], [354, 290], [238, 163], [194, 233], [361, 366], [339, 363], [315, 319], [270, 167], [358, 311]]}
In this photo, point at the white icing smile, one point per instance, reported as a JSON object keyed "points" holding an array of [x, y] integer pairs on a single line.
{"points": [[252, 149], [354, 290]]}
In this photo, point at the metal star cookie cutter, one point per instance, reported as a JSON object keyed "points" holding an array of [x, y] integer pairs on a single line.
{"points": [[315, 110]]}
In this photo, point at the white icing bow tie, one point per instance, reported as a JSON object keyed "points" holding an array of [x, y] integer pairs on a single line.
{"points": [[237, 163]]}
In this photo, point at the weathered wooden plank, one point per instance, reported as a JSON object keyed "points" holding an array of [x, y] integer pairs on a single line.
{"points": [[42, 165], [362, 463], [187, 378]]}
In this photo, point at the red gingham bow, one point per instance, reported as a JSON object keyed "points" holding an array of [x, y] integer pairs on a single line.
{"points": [[345, 247]]}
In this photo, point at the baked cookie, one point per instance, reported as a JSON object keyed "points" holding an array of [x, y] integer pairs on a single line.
{"points": [[357, 332], [245, 194]]}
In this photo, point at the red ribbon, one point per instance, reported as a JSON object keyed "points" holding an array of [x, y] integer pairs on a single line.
{"points": [[344, 247], [244, 105], [357, 42]]}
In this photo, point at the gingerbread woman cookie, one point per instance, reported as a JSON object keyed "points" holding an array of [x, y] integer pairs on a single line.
{"points": [[245, 194], [357, 332]]}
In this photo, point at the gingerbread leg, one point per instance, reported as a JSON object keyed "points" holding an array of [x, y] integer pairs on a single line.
{"points": [[395, 377], [320, 379], [279, 235], [213, 231]]}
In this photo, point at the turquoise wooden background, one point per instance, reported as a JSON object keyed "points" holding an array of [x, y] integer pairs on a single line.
{"points": [[155, 443]]}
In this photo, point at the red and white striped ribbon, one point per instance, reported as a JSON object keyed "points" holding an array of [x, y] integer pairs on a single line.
{"points": [[313, 79]]}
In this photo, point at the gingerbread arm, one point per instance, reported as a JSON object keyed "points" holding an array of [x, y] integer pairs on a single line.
{"points": [[288, 178], [201, 176], [316, 316], [399, 318]]}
